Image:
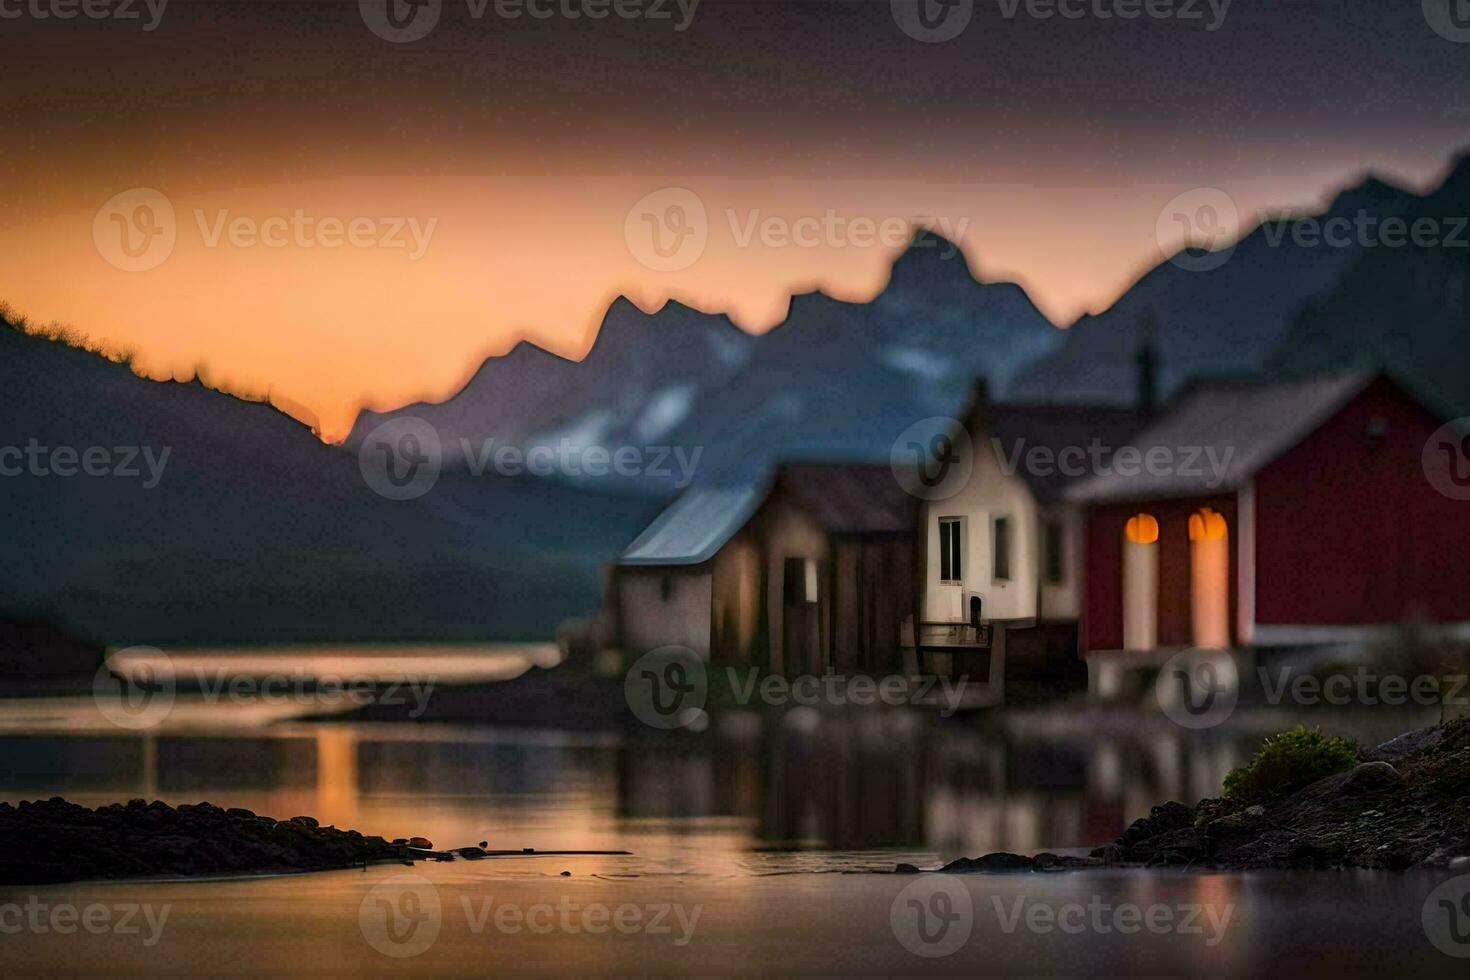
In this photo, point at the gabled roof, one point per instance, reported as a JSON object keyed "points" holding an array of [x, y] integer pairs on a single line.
{"points": [[1236, 427], [841, 498], [695, 526], [851, 499]]}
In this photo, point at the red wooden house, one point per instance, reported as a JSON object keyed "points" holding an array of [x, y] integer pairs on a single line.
{"points": [[1273, 513]]}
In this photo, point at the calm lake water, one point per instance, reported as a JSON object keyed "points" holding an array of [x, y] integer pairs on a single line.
{"points": [[740, 839]]}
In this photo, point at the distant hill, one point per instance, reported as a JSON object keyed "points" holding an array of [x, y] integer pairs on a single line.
{"points": [[834, 378], [1241, 317], [258, 532], [1407, 307]]}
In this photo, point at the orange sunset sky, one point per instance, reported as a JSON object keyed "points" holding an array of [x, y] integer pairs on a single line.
{"points": [[512, 159]]}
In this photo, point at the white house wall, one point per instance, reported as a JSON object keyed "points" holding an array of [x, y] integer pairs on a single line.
{"points": [[1063, 601], [989, 493], [649, 620]]}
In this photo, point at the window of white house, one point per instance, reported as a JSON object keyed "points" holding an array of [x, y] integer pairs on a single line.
{"points": [[951, 559], [1000, 548], [1052, 541]]}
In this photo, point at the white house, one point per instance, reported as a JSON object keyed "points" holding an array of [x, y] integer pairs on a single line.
{"points": [[1003, 550]]}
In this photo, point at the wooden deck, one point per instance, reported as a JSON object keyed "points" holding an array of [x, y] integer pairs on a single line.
{"points": [[958, 649]]}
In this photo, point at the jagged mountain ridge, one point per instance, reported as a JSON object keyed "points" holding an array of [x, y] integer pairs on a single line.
{"points": [[1232, 319], [636, 363], [830, 378]]}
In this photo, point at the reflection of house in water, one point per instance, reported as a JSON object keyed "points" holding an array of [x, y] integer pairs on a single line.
{"points": [[1288, 513], [891, 780], [855, 781], [1023, 792]]}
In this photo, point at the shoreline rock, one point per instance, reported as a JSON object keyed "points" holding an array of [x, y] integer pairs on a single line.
{"points": [[52, 841], [1407, 806]]}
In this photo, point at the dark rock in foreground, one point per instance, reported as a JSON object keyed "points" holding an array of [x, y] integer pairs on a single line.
{"points": [[1003, 861], [54, 841], [1407, 806]]}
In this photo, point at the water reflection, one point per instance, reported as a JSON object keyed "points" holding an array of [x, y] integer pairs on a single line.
{"points": [[868, 782]]}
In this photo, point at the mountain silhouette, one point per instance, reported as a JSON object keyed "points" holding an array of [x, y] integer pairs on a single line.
{"points": [[834, 378], [259, 532], [1231, 319], [634, 384], [1406, 307]]}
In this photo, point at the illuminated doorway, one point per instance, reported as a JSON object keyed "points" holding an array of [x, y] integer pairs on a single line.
{"points": [[1209, 563], [1141, 583]]}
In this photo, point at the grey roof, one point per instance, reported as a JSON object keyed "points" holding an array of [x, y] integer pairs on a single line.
{"points": [[695, 526], [851, 498], [1236, 428]]}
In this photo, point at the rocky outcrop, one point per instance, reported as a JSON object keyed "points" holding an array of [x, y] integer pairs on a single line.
{"points": [[1407, 806], [1411, 811], [53, 841]]}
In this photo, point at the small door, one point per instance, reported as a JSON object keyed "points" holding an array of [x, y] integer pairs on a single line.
{"points": [[1141, 582], [1209, 583], [800, 617]]}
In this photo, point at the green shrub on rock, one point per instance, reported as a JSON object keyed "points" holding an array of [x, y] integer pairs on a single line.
{"points": [[1289, 761]]}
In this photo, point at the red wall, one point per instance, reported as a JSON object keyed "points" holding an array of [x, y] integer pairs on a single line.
{"points": [[1348, 532], [1102, 611]]}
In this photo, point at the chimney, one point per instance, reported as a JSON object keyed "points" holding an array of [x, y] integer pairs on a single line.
{"points": [[982, 391], [1148, 369], [977, 417]]}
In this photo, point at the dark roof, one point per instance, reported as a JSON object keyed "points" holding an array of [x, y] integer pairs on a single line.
{"points": [[841, 498], [1018, 428], [1238, 426], [849, 498]]}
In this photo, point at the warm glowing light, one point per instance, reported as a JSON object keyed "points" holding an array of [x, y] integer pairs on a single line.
{"points": [[1209, 557], [1207, 525], [1142, 529], [1141, 583]]}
